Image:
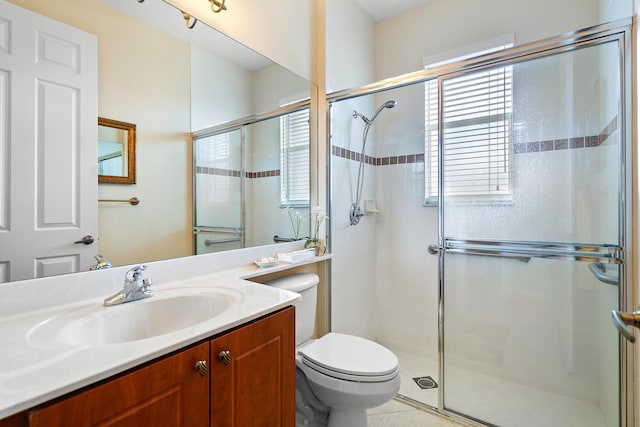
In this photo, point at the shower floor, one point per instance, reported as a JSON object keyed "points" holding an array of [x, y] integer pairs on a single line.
{"points": [[498, 401]]}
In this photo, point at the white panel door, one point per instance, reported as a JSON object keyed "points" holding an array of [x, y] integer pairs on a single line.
{"points": [[48, 145]]}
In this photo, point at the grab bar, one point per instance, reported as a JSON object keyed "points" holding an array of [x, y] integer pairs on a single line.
{"points": [[132, 201], [209, 242], [221, 230], [600, 271], [621, 320], [278, 239], [550, 250], [490, 254]]}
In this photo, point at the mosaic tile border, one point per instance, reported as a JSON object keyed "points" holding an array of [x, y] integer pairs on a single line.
{"points": [[236, 173], [518, 148], [264, 174], [377, 161]]}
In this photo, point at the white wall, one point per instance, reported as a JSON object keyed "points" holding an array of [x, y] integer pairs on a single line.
{"points": [[443, 25], [282, 31], [350, 45], [350, 62], [275, 86], [221, 91]]}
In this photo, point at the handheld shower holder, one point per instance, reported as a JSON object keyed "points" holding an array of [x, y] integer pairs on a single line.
{"points": [[355, 214]]}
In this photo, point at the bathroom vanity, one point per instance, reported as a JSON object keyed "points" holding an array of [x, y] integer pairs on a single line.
{"points": [[196, 386], [233, 368]]}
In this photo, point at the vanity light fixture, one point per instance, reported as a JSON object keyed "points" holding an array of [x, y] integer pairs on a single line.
{"points": [[217, 5], [187, 20]]}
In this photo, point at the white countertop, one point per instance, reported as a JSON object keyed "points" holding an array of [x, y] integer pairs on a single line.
{"points": [[32, 373]]}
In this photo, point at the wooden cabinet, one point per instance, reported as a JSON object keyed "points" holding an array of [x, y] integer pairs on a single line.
{"points": [[256, 387], [169, 392]]}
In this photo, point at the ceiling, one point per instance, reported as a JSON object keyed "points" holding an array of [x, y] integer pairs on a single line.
{"points": [[381, 10]]}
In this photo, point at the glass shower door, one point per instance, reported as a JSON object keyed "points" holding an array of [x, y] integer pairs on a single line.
{"points": [[531, 210], [218, 190]]}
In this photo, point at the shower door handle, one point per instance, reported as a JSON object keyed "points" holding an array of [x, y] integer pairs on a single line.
{"points": [[433, 249], [621, 320]]}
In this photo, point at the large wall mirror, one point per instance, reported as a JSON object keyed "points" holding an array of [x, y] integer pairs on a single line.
{"points": [[116, 152], [170, 81]]}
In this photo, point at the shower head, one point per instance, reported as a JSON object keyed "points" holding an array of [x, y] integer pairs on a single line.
{"points": [[388, 104]]}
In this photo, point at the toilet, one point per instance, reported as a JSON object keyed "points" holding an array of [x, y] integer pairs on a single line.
{"points": [[338, 376]]}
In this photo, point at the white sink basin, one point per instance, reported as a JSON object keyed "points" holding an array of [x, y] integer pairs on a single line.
{"points": [[166, 312]]}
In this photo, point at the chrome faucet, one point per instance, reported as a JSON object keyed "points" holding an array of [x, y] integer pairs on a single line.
{"points": [[102, 263], [135, 287]]}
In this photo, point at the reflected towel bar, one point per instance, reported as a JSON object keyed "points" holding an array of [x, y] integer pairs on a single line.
{"points": [[278, 239], [215, 230], [209, 242], [599, 270], [132, 201]]}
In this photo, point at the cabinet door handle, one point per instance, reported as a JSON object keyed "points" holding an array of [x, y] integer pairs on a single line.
{"points": [[201, 367], [225, 356]]}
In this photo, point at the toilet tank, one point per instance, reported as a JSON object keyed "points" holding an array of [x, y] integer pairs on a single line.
{"points": [[306, 284]]}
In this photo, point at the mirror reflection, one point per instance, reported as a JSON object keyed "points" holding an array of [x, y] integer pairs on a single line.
{"points": [[242, 200], [166, 89], [116, 152]]}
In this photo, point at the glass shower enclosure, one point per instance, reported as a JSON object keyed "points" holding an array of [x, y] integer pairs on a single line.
{"points": [[244, 174], [520, 187], [532, 238]]}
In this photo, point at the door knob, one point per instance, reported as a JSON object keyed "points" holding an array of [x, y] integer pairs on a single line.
{"points": [[87, 240], [201, 367], [621, 320], [433, 249], [225, 357]]}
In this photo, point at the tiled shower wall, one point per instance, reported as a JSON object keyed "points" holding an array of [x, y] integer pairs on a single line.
{"points": [[518, 148], [400, 302]]}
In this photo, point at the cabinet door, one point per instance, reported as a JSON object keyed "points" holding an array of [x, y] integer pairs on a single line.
{"points": [[257, 387], [168, 393]]}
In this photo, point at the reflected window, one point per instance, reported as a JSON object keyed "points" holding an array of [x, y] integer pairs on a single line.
{"points": [[110, 159], [294, 158], [213, 159], [476, 123]]}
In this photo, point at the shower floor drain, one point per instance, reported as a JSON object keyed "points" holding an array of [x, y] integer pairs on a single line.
{"points": [[426, 382]]}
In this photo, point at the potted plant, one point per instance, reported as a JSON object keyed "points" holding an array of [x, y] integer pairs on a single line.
{"points": [[319, 216]]}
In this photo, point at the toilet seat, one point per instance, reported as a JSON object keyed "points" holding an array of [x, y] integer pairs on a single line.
{"points": [[350, 358]]}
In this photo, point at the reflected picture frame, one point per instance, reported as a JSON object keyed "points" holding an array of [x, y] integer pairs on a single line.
{"points": [[128, 175]]}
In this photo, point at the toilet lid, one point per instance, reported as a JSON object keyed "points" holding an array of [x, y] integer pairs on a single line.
{"points": [[350, 358]]}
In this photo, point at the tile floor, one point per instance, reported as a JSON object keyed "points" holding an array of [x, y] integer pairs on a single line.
{"points": [[397, 414], [498, 401]]}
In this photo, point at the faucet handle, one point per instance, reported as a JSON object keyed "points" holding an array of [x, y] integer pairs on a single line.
{"points": [[135, 273]]}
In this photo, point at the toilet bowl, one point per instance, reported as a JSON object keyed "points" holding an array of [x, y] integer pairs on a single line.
{"points": [[338, 376]]}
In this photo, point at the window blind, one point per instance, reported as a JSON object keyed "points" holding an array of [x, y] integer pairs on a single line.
{"points": [[476, 124], [294, 149]]}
